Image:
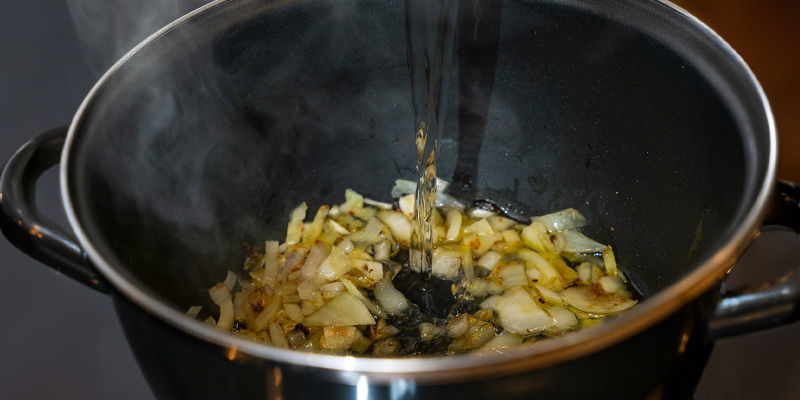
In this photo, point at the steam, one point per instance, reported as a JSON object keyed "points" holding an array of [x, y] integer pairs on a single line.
{"points": [[107, 29]]}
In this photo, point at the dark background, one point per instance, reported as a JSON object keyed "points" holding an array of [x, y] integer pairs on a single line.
{"points": [[59, 339]]}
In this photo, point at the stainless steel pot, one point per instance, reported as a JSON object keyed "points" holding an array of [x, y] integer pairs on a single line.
{"points": [[205, 135]]}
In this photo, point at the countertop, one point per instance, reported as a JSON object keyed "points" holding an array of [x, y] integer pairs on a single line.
{"points": [[62, 340]]}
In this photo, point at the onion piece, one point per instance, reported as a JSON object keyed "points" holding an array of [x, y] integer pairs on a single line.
{"points": [[511, 236], [271, 253], [565, 319], [352, 201], [336, 227], [453, 222], [480, 213], [315, 228], [549, 275], [446, 264], [294, 231], [370, 234], [562, 220], [594, 300], [382, 250], [398, 224], [390, 298], [576, 242], [510, 275], [378, 204], [489, 260], [536, 237], [193, 311], [609, 261], [344, 310], [318, 253], [278, 336], [372, 269], [518, 312], [499, 223], [611, 284], [230, 280], [221, 296], [481, 227], [352, 289], [502, 341], [293, 311], [336, 265], [406, 204]]}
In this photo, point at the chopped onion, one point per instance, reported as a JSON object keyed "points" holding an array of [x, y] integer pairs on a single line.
{"points": [[562, 220], [372, 269], [481, 227], [346, 246], [333, 287], [499, 223], [398, 224], [429, 331], [611, 283], [584, 271], [518, 312], [193, 311], [338, 228], [352, 289], [446, 263], [221, 296], [293, 311], [565, 319], [480, 213], [270, 276], [403, 187], [502, 341], [318, 253], [336, 265], [511, 236], [489, 260], [344, 310], [453, 225], [576, 242], [551, 296], [390, 298], [382, 250], [378, 204], [406, 204], [594, 300], [294, 231], [230, 280], [278, 336], [510, 275], [549, 275], [370, 234], [609, 261], [315, 228], [535, 235], [352, 201], [338, 338]]}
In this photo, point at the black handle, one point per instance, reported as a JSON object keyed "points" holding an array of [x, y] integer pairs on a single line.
{"points": [[765, 305], [22, 224]]}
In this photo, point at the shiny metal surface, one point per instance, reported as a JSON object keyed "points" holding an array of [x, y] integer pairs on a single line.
{"points": [[127, 393], [465, 367]]}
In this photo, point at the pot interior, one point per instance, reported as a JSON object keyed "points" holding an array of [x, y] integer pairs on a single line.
{"points": [[203, 140]]}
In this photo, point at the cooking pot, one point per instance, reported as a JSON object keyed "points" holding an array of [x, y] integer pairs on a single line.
{"points": [[205, 136]]}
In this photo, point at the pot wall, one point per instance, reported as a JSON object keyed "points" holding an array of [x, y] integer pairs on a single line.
{"points": [[664, 361]]}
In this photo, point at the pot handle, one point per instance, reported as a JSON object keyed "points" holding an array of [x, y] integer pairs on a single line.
{"points": [[766, 305], [25, 227]]}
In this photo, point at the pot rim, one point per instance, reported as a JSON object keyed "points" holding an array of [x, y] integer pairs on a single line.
{"points": [[451, 368]]}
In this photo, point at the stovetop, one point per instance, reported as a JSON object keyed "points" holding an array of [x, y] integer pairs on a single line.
{"points": [[59, 339]]}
